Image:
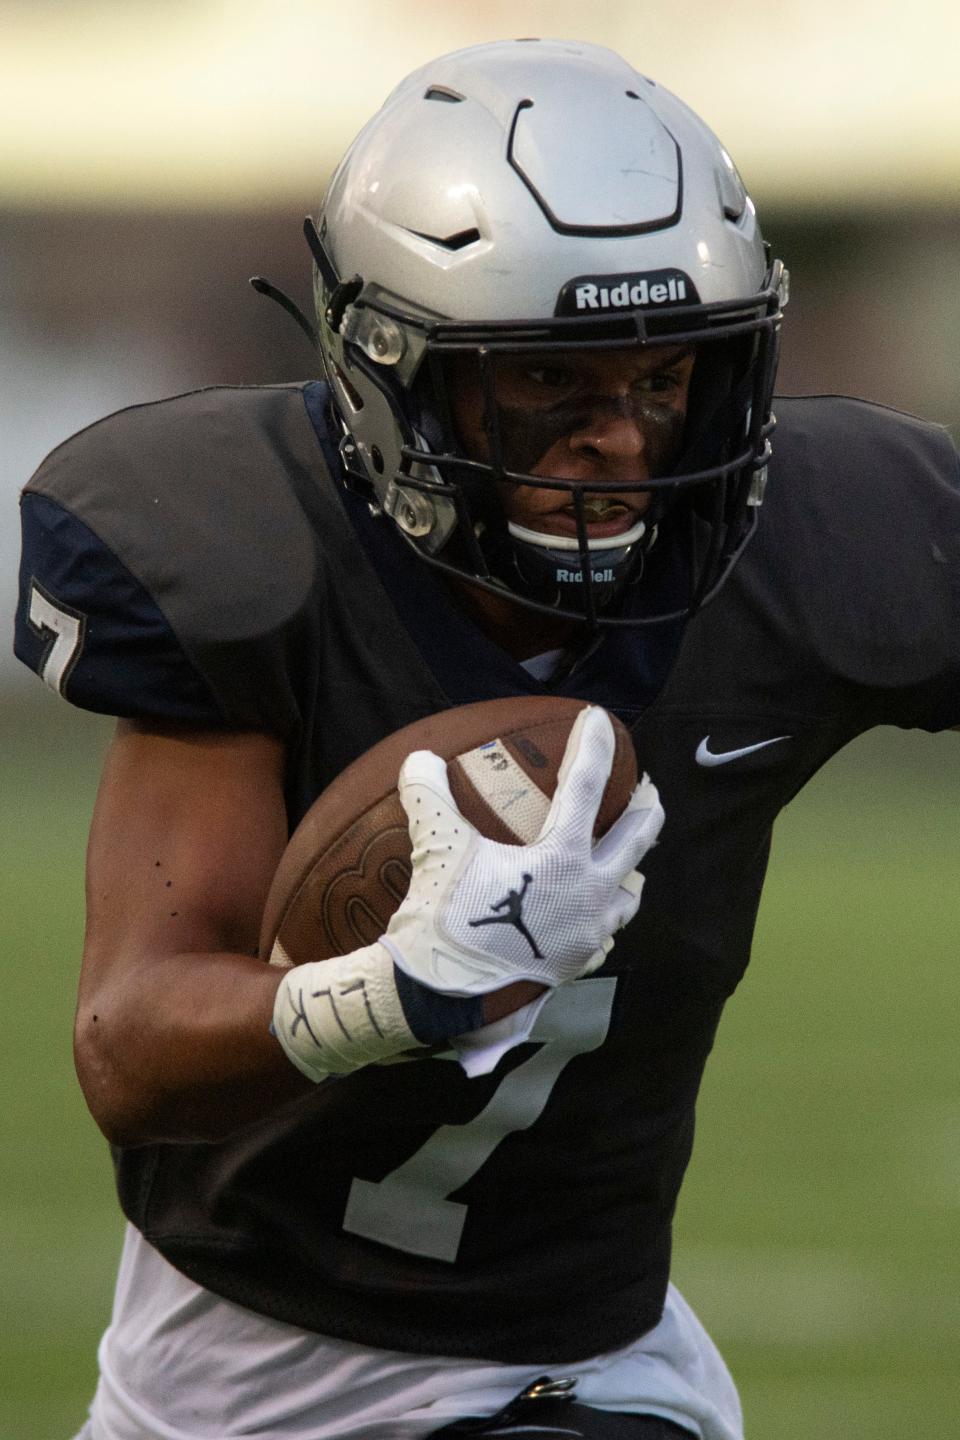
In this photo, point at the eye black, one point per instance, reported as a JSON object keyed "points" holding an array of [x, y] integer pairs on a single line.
{"points": [[551, 376]]}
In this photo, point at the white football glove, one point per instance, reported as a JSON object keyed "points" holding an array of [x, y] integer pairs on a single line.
{"points": [[479, 914]]}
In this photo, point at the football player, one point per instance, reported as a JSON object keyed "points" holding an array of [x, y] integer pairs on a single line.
{"points": [[536, 461]]}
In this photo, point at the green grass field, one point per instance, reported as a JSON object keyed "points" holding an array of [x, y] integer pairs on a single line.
{"points": [[817, 1234]]}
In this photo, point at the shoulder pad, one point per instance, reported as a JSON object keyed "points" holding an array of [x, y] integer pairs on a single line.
{"points": [[858, 547], [196, 499]]}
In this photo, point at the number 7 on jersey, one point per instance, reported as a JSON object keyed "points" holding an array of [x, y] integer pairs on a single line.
{"points": [[409, 1209]]}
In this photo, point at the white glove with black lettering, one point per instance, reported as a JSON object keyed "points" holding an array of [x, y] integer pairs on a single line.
{"points": [[480, 914]]}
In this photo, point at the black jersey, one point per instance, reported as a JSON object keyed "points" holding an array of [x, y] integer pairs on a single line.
{"points": [[197, 558]]}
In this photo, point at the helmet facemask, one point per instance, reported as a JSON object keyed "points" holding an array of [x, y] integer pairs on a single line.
{"points": [[448, 492]]}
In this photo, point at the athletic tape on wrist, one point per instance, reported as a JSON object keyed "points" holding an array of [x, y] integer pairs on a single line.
{"points": [[334, 1016]]}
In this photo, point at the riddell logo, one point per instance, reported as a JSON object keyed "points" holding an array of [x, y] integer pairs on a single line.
{"points": [[575, 577], [626, 292], [598, 297]]}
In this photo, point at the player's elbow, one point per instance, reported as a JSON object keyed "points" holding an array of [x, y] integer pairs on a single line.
{"points": [[130, 1104], [116, 1095], [132, 1091], [103, 1085]]}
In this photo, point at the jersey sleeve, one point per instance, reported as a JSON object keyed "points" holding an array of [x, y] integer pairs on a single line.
{"points": [[167, 562], [91, 630]]}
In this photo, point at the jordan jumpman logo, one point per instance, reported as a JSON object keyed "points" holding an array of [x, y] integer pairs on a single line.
{"points": [[512, 906]]}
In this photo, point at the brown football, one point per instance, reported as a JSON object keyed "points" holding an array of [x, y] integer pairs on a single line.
{"points": [[347, 865]]}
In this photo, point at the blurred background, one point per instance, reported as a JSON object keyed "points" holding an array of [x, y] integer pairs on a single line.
{"points": [[156, 153]]}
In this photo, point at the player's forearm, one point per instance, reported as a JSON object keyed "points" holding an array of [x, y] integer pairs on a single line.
{"points": [[182, 1051]]}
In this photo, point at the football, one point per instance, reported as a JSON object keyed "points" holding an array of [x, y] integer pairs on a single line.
{"points": [[347, 865]]}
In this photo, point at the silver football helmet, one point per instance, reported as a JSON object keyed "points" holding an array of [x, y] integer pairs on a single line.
{"points": [[524, 200]]}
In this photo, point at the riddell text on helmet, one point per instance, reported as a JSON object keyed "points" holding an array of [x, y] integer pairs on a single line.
{"points": [[575, 577], [599, 297], [627, 292]]}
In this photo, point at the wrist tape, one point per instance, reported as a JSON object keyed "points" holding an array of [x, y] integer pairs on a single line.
{"points": [[334, 1016]]}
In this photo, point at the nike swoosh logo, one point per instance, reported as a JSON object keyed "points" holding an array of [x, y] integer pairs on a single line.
{"points": [[706, 756]]}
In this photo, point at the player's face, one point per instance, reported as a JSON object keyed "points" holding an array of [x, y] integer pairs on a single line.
{"points": [[599, 418]]}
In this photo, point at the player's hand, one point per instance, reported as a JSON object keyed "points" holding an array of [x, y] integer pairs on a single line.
{"points": [[479, 914], [478, 917]]}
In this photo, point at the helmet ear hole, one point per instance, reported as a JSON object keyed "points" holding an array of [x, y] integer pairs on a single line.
{"points": [[354, 398]]}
